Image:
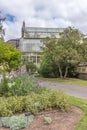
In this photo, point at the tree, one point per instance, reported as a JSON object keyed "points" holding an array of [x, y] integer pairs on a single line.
{"points": [[10, 57], [65, 58], [48, 68], [65, 51], [83, 49]]}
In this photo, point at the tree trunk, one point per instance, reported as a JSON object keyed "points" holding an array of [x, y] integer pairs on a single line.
{"points": [[66, 71], [60, 71]]}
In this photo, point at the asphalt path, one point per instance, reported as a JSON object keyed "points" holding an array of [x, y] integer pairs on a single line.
{"points": [[74, 90]]}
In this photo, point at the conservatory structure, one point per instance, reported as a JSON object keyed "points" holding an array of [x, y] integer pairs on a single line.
{"points": [[32, 40]]}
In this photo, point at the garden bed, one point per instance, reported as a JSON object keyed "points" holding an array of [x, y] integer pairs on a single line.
{"points": [[60, 120]]}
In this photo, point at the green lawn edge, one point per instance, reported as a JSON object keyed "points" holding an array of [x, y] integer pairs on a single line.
{"points": [[71, 81], [82, 104], [78, 102]]}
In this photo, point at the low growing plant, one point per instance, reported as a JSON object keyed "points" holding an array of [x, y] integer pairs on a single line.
{"points": [[47, 120], [34, 103]]}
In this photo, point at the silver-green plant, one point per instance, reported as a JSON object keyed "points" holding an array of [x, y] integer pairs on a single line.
{"points": [[47, 120], [16, 122]]}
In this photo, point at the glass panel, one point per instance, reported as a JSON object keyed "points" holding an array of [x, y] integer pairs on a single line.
{"points": [[41, 34], [37, 29], [32, 45]]}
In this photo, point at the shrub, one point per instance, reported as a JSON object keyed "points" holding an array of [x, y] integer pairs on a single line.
{"points": [[48, 70], [59, 100], [34, 103], [16, 122], [15, 103], [20, 86], [30, 67], [28, 104], [47, 120], [4, 86], [44, 101], [5, 108]]}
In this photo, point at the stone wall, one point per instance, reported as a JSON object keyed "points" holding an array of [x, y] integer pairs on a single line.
{"points": [[82, 75]]}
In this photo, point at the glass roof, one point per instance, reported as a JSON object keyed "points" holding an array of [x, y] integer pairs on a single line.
{"points": [[39, 29]]}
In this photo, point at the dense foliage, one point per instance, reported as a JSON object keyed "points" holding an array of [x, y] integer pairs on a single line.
{"points": [[20, 85], [10, 57], [48, 68], [64, 54], [16, 122], [34, 102], [30, 67], [24, 94]]}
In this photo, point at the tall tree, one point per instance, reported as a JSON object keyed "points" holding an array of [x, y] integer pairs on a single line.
{"points": [[65, 58], [65, 51]]}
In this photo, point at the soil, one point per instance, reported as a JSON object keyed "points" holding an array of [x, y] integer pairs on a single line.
{"points": [[60, 120]]}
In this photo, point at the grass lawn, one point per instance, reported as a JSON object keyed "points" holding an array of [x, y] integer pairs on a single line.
{"points": [[81, 103], [73, 81]]}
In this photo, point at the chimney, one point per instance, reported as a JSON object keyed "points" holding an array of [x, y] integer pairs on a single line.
{"points": [[23, 28]]}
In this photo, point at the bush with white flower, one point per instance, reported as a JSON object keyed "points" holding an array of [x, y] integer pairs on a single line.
{"points": [[20, 85]]}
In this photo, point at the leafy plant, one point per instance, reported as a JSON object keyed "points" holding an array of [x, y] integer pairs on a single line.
{"points": [[47, 120], [16, 122], [30, 67], [20, 85], [34, 103]]}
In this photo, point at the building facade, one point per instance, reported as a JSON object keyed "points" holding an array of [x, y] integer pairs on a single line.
{"points": [[82, 70], [14, 42], [32, 41]]}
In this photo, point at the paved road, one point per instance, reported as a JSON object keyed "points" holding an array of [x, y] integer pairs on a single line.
{"points": [[74, 90]]}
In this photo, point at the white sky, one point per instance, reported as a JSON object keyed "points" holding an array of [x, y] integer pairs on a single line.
{"points": [[43, 13]]}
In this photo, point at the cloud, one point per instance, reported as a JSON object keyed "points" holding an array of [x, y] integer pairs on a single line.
{"points": [[53, 13]]}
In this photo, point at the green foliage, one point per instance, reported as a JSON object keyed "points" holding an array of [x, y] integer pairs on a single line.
{"points": [[34, 102], [15, 104], [30, 67], [81, 103], [4, 121], [44, 101], [4, 108], [28, 104], [62, 53], [16, 122], [59, 100], [72, 72], [20, 85], [4, 86], [10, 57], [48, 68], [47, 120], [83, 49]]}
